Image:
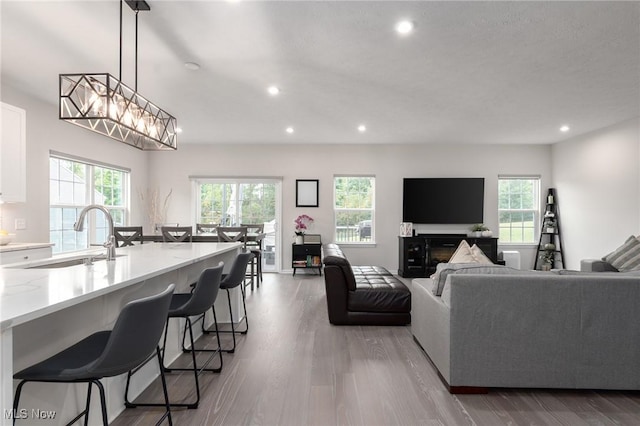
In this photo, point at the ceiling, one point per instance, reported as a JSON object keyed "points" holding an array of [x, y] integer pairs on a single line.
{"points": [[470, 72]]}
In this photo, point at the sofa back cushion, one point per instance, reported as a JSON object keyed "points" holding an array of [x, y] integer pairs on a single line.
{"points": [[333, 256], [443, 270]]}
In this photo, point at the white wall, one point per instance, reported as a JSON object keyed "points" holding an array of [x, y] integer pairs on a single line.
{"points": [[170, 170], [598, 183], [46, 132], [389, 164]]}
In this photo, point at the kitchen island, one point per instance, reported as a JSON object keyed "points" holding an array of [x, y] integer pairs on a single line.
{"points": [[45, 308]]}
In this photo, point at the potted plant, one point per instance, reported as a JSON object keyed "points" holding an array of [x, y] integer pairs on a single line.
{"points": [[478, 229], [548, 257], [302, 223]]}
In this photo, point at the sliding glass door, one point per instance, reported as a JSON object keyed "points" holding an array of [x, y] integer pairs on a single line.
{"points": [[233, 201]]}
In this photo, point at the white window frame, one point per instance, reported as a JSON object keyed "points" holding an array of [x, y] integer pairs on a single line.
{"points": [[337, 210], [92, 230], [536, 210]]}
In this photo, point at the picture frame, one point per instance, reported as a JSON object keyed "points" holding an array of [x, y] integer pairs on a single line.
{"points": [[307, 192]]}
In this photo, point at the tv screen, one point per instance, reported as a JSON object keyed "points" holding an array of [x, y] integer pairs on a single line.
{"points": [[443, 200]]}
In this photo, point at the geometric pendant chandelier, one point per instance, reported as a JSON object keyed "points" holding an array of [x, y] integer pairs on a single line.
{"points": [[102, 103]]}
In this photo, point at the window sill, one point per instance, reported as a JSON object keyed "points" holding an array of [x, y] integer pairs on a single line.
{"points": [[365, 245]]}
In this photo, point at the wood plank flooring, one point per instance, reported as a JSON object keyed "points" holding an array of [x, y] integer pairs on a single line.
{"points": [[294, 368]]}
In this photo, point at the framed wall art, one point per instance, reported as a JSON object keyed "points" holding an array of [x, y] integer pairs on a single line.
{"points": [[307, 192]]}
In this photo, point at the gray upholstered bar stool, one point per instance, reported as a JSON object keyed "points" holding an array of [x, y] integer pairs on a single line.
{"points": [[187, 305], [235, 278], [129, 344]]}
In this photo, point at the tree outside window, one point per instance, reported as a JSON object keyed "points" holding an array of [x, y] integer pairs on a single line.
{"points": [[354, 209], [518, 209], [72, 186]]}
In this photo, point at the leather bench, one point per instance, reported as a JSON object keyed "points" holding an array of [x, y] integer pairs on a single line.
{"points": [[363, 295]]}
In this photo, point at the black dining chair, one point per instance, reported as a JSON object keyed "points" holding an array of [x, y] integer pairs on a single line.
{"points": [[233, 279], [129, 344], [177, 234], [127, 235], [187, 305]]}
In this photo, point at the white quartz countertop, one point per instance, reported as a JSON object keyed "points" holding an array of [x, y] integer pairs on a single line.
{"points": [[27, 294], [23, 246]]}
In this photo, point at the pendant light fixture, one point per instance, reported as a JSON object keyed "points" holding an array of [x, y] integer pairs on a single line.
{"points": [[102, 103]]}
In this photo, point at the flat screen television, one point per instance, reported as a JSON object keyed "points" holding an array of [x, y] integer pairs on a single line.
{"points": [[443, 200]]}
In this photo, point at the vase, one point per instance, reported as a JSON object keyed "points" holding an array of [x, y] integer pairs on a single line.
{"points": [[487, 234], [299, 239]]}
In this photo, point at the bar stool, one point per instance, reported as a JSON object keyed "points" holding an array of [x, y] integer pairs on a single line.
{"points": [[128, 345], [237, 234], [233, 279], [186, 305], [255, 246]]}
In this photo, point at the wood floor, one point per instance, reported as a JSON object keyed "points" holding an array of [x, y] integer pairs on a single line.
{"points": [[294, 368]]}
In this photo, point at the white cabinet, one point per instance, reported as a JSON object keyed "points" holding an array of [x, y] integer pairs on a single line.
{"points": [[24, 255], [13, 154]]}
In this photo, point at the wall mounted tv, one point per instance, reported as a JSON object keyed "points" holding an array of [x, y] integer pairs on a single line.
{"points": [[443, 200]]}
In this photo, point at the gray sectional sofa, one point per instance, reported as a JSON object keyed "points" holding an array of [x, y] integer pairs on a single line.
{"points": [[518, 329]]}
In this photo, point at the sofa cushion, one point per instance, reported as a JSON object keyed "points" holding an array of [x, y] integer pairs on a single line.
{"points": [[626, 257], [381, 293], [369, 270], [444, 269], [488, 270]]}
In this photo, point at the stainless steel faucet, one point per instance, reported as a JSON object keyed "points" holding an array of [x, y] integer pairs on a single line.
{"points": [[110, 244]]}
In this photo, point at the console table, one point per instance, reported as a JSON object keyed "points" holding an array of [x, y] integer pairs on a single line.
{"points": [[308, 254], [419, 255]]}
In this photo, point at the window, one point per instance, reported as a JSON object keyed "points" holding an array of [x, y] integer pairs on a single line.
{"points": [[518, 209], [232, 202], [354, 209], [74, 184]]}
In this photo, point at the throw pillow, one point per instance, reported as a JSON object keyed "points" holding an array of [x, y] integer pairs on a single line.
{"points": [[626, 257], [479, 255], [462, 254]]}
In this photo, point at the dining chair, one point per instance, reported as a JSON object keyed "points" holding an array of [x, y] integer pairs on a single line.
{"points": [[206, 228], [126, 235], [177, 234], [130, 343], [255, 246]]}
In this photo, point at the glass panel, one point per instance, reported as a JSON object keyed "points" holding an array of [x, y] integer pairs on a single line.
{"points": [[354, 204], [68, 185]]}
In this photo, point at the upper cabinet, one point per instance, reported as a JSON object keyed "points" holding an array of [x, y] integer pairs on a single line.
{"points": [[13, 154]]}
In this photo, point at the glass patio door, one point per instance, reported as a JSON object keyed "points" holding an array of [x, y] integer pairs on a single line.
{"points": [[232, 202]]}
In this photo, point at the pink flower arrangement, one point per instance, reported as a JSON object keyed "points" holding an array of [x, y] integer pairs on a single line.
{"points": [[302, 223]]}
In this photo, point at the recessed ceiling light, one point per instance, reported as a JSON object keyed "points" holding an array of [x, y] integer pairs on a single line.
{"points": [[178, 129], [362, 128], [273, 90], [565, 128], [192, 66], [289, 130], [404, 27]]}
